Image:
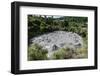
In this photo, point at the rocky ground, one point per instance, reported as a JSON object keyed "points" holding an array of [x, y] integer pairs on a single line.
{"points": [[58, 39]]}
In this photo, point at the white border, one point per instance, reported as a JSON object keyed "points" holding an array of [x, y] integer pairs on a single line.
{"points": [[26, 65]]}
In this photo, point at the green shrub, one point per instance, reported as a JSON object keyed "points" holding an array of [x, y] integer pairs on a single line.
{"points": [[68, 53], [63, 53], [36, 52], [81, 53]]}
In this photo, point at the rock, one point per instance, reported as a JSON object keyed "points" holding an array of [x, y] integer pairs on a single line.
{"points": [[58, 39]]}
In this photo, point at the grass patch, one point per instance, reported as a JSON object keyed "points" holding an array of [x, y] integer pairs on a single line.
{"points": [[63, 53], [36, 52]]}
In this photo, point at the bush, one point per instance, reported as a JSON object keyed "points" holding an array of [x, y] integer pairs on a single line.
{"points": [[63, 53], [68, 53], [36, 52], [81, 53]]}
